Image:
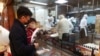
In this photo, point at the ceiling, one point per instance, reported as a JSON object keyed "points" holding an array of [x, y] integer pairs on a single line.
{"points": [[70, 2]]}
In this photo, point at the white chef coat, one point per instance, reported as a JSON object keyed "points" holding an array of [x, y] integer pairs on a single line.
{"points": [[83, 24], [71, 25], [52, 20]]}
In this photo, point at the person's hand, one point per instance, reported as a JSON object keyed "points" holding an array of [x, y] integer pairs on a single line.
{"points": [[36, 45]]}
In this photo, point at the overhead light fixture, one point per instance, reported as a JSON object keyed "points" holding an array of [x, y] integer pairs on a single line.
{"points": [[1, 6], [89, 3], [61, 1], [40, 3]]}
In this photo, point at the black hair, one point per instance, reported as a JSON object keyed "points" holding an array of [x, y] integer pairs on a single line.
{"points": [[23, 11]]}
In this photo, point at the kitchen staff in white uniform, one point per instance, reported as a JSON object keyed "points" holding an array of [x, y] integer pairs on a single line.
{"points": [[83, 25]]}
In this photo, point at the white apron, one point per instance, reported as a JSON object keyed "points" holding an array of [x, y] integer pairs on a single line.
{"points": [[85, 31]]}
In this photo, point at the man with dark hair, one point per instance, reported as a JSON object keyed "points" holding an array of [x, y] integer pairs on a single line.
{"points": [[18, 38]]}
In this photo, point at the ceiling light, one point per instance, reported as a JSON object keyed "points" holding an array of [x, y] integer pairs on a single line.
{"points": [[38, 3], [61, 1], [89, 2], [1, 7]]}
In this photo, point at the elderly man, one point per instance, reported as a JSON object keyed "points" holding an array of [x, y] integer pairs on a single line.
{"points": [[63, 26]]}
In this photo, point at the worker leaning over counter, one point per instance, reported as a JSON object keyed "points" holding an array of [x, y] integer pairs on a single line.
{"points": [[18, 37]]}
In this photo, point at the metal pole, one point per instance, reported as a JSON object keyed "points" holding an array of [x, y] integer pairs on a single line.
{"points": [[93, 5], [56, 7], [84, 5], [93, 13], [67, 8], [97, 3], [78, 6]]}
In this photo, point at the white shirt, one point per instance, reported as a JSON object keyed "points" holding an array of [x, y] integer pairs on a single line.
{"points": [[71, 25], [47, 25], [63, 26], [52, 20], [83, 23], [73, 19]]}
